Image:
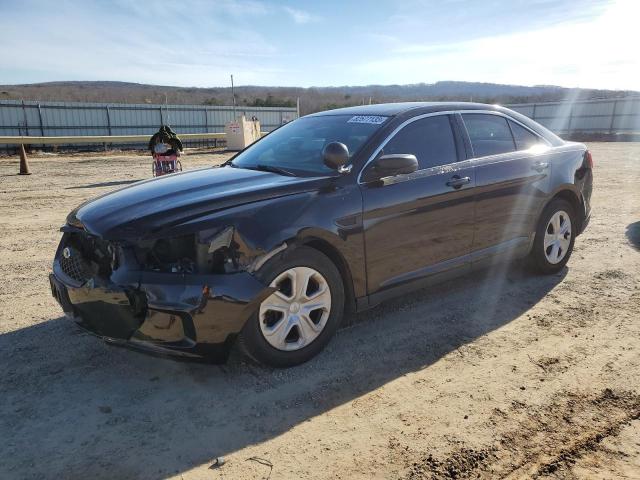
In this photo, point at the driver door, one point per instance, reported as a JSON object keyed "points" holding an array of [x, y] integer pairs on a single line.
{"points": [[419, 224]]}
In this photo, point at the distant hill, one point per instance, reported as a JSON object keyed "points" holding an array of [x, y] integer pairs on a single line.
{"points": [[311, 99]]}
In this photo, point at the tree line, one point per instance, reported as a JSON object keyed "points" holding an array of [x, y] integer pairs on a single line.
{"points": [[312, 99]]}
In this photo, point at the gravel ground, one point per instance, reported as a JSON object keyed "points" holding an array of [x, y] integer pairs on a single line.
{"points": [[499, 374]]}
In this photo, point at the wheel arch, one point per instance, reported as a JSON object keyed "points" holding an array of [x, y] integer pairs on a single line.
{"points": [[574, 198], [331, 252]]}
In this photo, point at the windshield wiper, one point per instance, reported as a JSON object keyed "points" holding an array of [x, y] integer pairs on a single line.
{"points": [[272, 169]]}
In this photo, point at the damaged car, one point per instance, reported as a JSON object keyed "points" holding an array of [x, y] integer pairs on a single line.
{"points": [[331, 213]]}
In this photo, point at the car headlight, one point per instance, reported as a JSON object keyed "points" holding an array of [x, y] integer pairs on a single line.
{"points": [[203, 253], [169, 255]]}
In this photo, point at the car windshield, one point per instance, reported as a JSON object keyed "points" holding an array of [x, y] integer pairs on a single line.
{"points": [[297, 147]]}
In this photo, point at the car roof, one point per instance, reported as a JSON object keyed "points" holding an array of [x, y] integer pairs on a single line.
{"points": [[393, 109], [419, 108]]}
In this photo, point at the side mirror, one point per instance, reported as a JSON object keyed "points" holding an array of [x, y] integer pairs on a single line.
{"points": [[335, 155], [390, 165]]}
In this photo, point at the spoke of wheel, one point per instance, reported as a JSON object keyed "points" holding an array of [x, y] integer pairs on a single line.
{"points": [[321, 300], [276, 301], [276, 329], [292, 275], [304, 276], [555, 252], [291, 322], [276, 283], [323, 289], [548, 240], [556, 223], [306, 329]]}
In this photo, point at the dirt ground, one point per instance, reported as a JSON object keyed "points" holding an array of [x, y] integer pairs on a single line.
{"points": [[502, 374]]}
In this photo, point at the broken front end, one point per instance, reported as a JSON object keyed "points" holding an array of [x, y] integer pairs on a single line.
{"points": [[187, 296]]}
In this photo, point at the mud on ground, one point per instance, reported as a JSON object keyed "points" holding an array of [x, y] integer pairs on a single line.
{"points": [[502, 374]]}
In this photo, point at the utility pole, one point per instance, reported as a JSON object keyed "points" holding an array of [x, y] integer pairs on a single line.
{"points": [[166, 108], [233, 94]]}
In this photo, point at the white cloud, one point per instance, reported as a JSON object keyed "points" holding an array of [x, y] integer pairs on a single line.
{"points": [[598, 53], [300, 16]]}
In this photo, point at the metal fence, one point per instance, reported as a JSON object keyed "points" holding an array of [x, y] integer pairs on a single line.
{"points": [[610, 116], [70, 119]]}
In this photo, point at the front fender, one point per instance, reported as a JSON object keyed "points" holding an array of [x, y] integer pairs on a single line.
{"points": [[255, 231]]}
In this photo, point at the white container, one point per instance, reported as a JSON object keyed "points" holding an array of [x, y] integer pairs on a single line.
{"points": [[241, 133]]}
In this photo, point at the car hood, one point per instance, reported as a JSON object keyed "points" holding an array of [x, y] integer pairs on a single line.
{"points": [[146, 208]]}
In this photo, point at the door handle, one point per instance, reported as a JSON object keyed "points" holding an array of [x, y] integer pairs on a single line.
{"points": [[456, 181], [540, 166]]}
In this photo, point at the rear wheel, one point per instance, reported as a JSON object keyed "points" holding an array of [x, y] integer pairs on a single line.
{"points": [[555, 236], [295, 322]]}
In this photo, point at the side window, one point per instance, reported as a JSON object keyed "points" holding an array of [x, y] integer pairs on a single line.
{"points": [[430, 139], [489, 134], [523, 137]]}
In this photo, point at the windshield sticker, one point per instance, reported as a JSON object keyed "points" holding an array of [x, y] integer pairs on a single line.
{"points": [[373, 119]]}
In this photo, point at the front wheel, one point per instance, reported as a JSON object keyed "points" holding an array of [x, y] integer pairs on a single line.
{"points": [[555, 236], [299, 318]]}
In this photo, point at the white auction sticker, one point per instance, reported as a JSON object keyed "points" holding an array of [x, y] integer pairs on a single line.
{"points": [[374, 119]]}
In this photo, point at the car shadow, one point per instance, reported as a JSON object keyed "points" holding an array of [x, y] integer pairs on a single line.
{"points": [[74, 407], [633, 234], [105, 184]]}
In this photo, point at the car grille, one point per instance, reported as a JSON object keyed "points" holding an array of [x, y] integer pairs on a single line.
{"points": [[73, 265]]}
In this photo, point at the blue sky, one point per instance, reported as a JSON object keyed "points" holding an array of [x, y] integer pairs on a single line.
{"points": [[574, 43]]}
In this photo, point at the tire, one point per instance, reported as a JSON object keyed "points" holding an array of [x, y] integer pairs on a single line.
{"points": [[552, 257], [271, 336]]}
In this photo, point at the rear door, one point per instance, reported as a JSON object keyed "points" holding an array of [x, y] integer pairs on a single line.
{"points": [[512, 175], [421, 223]]}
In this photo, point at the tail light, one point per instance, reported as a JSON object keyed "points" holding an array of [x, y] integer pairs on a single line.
{"points": [[588, 159]]}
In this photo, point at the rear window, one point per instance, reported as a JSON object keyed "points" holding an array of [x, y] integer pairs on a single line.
{"points": [[524, 138], [489, 134]]}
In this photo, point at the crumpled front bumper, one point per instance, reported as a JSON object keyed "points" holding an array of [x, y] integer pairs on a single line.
{"points": [[193, 316]]}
